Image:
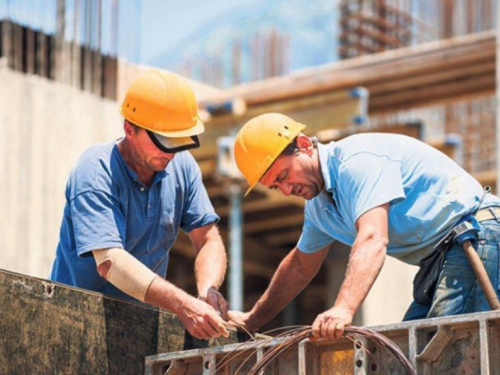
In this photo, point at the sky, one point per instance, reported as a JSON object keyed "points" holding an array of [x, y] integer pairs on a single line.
{"points": [[176, 20], [155, 24], [150, 25], [171, 33], [37, 13]]}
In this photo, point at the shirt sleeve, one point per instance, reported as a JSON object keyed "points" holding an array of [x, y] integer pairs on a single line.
{"points": [[367, 181], [98, 222], [312, 239], [198, 210]]}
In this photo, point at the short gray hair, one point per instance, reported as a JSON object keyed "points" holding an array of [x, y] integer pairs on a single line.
{"points": [[292, 147]]}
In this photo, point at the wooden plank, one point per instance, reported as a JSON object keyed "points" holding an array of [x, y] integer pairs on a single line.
{"points": [[336, 109], [49, 328], [359, 71], [425, 96], [429, 79], [411, 129]]}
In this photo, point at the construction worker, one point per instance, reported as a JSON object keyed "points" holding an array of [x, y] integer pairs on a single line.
{"points": [[380, 194], [126, 201]]}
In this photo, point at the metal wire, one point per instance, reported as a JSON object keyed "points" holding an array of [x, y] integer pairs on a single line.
{"points": [[293, 335]]}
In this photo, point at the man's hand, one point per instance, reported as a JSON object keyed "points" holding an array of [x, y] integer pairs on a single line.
{"points": [[330, 324], [239, 319], [201, 320], [215, 299]]}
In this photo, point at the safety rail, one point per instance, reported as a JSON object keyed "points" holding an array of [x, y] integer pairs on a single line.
{"points": [[466, 344]]}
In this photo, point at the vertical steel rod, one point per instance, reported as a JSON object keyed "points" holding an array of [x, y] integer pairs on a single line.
{"points": [[236, 249]]}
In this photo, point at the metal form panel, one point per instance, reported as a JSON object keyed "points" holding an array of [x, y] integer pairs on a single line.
{"points": [[50, 328], [466, 344]]}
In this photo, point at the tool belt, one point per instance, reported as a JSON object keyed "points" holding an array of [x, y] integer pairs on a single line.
{"points": [[427, 276]]}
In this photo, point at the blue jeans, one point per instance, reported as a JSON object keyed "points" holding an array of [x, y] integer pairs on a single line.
{"points": [[457, 290]]}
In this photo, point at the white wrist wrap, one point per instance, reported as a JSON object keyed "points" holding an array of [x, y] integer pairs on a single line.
{"points": [[126, 272]]}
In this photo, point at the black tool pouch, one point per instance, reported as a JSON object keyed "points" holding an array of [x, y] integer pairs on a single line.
{"points": [[427, 276]]}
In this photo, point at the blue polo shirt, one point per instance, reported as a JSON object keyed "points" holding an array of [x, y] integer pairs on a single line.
{"points": [[107, 206], [427, 191]]}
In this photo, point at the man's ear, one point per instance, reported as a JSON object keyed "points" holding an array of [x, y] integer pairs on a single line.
{"points": [[304, 144], [127, 128]]}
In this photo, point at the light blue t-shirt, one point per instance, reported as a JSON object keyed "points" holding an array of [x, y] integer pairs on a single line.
{"points": [[427, 191], [107, 206]]}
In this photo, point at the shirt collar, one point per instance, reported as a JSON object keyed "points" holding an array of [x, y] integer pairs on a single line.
{"points": [[324, 152], [129, 170]]}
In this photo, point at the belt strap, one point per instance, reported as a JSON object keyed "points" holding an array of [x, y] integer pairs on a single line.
{"points": [[488, 214]]}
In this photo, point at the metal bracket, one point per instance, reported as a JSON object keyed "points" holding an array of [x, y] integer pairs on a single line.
{"points": [[436, 345], [177, 367]]}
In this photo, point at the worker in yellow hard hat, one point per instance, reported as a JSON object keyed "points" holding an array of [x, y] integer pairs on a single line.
{"points": [[127, 200], [380, 194]]}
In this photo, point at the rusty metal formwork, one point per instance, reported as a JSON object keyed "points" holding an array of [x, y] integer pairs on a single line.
{"points": [[466, 344]]}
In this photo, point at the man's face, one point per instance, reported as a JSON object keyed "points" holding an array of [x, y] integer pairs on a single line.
{"points": [[295, 175], [145, 153]]}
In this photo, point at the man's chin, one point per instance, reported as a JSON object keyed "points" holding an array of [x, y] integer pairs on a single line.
{"points": [[312, 194], [160, 166], [308, 195]]}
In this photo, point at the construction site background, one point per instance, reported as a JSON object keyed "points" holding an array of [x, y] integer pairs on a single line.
{"points": [[59, 97]]}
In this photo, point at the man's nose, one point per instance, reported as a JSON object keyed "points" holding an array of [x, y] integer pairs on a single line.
{"points": [[286, 189]]}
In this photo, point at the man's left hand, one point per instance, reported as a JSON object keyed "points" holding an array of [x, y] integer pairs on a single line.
{"points": [[215, 299], [330, 324]]}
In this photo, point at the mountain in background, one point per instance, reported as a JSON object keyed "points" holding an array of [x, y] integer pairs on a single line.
{"points": [[309, 28]]}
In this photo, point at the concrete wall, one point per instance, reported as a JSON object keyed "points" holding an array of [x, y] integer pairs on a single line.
{"points": [[389, 297], [391, 294], [44, 127]]}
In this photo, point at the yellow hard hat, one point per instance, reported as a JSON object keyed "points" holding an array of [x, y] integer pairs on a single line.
{"points": [[259, 143], [163, 103]]}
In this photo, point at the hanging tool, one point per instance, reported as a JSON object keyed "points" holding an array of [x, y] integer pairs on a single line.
{"points": [[465, 231]]}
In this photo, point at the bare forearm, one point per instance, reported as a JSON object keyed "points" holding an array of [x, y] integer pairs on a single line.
{"points": [[289, 280], [166, 295], [198, 317], [366, 261], [210, 266]]}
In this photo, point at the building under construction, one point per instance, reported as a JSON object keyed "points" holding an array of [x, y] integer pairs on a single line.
{"points": [[421, 68]]}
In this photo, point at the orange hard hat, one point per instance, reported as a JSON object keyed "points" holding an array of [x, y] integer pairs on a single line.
{"points": [[163, 103], [259, 143]]}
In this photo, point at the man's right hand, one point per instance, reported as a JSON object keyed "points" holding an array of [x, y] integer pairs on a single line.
{"points": [[201, 320], [239, 319]]}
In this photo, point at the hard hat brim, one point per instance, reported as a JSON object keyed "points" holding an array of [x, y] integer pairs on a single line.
{"points": [[172, 145], [250, 188], [195, 130]]}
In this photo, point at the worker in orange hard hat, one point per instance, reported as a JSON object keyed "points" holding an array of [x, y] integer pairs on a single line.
{"points": [[380, 194], [126, 201]]}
